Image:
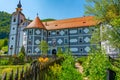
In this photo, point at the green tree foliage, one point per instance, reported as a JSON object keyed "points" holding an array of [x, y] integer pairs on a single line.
{"points": [[4, 24], [104, 10], [55, 71], [115, 66], [23, 50], [108, 12], [21, 57], [68, 71], [48, 19], [44, 47], [5, 49], [59, 51], [96, 65], [3, 43]]}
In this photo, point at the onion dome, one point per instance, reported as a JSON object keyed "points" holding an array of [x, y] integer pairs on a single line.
{"points": [[19, 4]]}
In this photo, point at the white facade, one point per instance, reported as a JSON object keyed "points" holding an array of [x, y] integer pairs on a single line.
{"points": [[16, 31]]}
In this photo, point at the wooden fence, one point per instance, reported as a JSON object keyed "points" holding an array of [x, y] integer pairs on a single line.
{"points": [[37, 71]]}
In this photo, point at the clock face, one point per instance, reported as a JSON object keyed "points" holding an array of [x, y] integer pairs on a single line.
{"points": [[54, 42]]}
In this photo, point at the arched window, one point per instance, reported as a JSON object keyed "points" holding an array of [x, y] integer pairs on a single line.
{"points": [[12, 38], [14, 20], [21, 21], [29, 51]]}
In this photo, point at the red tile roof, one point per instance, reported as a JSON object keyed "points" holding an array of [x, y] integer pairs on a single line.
{"points": [[86, 21], [36, 23]]}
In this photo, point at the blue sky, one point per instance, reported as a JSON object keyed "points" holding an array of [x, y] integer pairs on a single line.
{"points": [[57, 9]]}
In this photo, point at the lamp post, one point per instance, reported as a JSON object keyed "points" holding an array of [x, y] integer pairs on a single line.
{"points": [[11, 50]]}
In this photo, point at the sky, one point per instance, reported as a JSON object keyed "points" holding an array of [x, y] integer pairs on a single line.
{"points": [[56, 9]]}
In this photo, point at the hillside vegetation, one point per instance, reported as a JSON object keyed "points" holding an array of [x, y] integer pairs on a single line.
{"points": [[4, 24]]}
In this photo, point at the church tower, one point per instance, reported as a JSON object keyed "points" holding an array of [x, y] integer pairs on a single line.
{"points": [[14, 35]]}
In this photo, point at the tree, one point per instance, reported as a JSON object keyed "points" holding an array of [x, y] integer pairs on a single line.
{"points": [[95, 65], [23, 50], [3, 43], [4, 24], [59, 51], [21, 57], [44, 47], [108, 13], [5, 49]]}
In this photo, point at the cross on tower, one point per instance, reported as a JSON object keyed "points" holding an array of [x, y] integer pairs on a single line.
{"points": [[37, 14]]}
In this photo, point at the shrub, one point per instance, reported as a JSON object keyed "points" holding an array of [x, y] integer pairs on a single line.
{"points": [[68, 71], [59, 52], [96, 65], [55, 71], [4, 62], [82, 59]]}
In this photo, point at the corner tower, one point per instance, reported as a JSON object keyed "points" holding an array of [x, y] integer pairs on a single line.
{"points": [[35, 33], [14, 35]]}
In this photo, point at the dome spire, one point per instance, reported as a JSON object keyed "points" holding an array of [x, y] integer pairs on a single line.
{"points": [[37, 14], [19, 4]]}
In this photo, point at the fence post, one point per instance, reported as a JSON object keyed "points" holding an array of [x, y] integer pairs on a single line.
{"points": [[16, 74], [21, 73], [11, 75], [4, 76], [38, 71], [110, 74]]}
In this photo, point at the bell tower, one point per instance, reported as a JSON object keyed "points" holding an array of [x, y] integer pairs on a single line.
{"points": [[14, 35]]}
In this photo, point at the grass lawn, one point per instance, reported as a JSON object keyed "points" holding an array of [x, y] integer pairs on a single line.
{"points": [[8, 68]]}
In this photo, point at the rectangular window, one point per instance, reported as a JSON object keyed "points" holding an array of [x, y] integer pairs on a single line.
{"points": [[29, 50], [30, 31], [45, 33], [49, 33], [80, 39], [30, 37], [65, 40], [66, 32], [29, 42], [81, 50], [57, 32], [80, 30]]}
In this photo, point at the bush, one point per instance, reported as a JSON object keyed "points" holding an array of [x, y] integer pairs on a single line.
{"points": [[82, 59]]}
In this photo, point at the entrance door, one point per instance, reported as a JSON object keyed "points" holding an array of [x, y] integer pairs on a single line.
{"points": [[54, 52]]}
